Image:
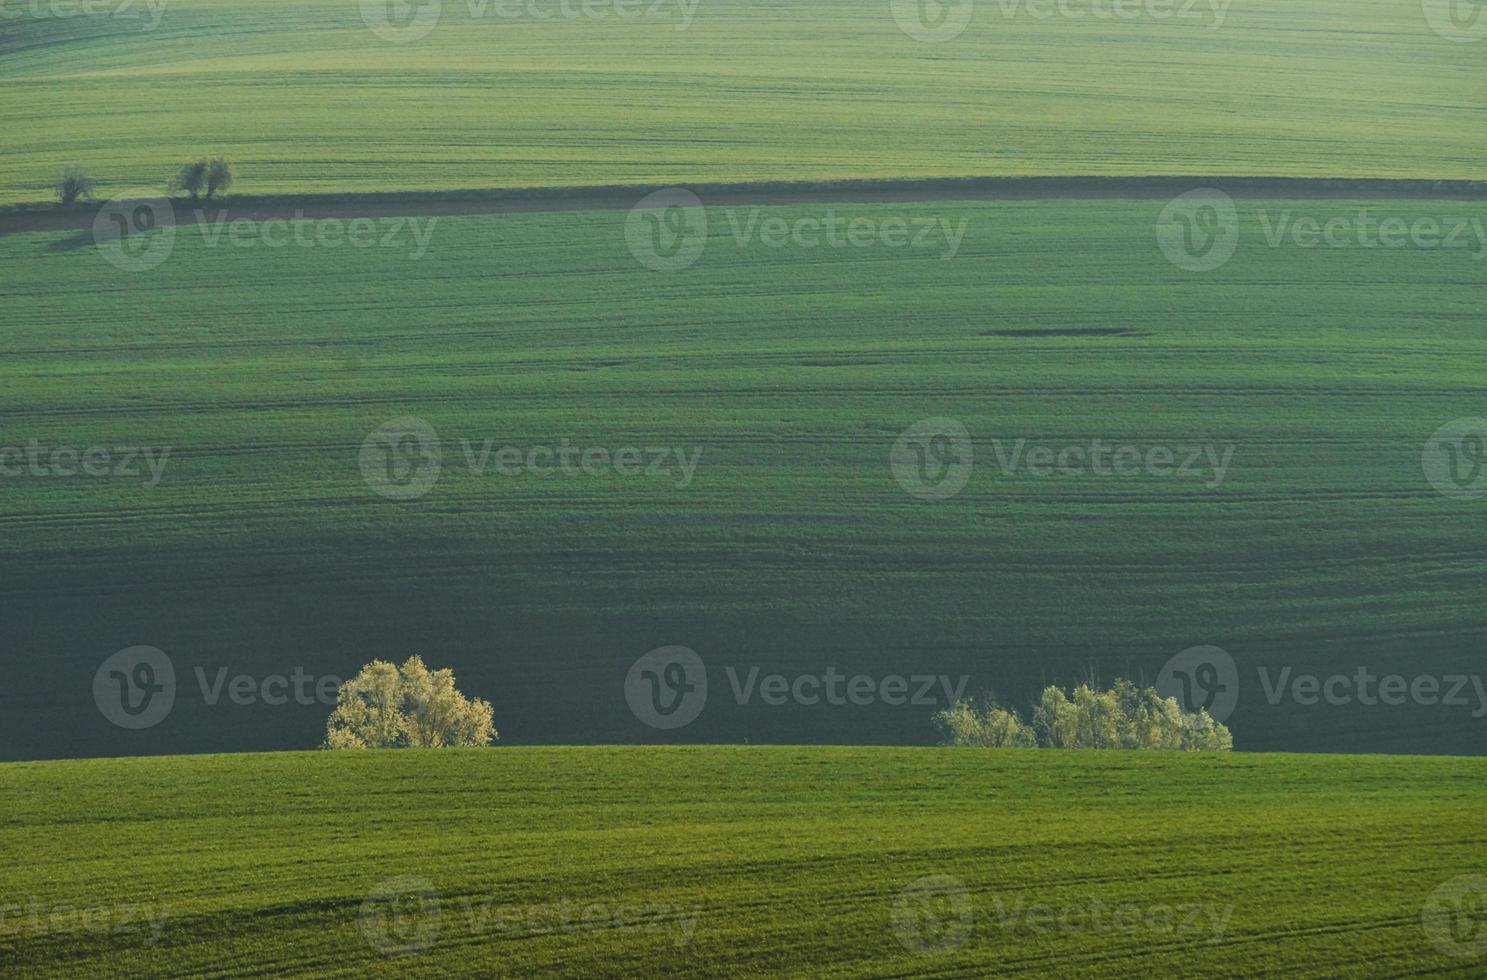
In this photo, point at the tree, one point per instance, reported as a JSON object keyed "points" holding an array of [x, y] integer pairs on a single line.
{"points": [[1055, 721], [75, 183], [218, 176], [991, 728], [387, 707], [1203, 734], [192, 179], [1097, 718], [1124, 717]]}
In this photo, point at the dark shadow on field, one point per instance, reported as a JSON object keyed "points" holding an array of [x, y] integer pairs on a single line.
{"points": [[621, 197], [70, 244], [556, 674]]}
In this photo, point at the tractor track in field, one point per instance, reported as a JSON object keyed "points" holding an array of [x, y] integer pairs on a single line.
{"points": [[620, 198]]}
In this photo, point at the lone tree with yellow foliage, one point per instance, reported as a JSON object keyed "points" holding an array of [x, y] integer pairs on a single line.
{"points": [[391, 707]]}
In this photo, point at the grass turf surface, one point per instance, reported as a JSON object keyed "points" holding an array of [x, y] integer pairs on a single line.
{"points": [[793, 548], [791, 860], [304, 97]]}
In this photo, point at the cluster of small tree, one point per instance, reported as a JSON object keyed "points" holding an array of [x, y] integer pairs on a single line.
{"points": [[203, 178], [1124, 717], [391, 707]]}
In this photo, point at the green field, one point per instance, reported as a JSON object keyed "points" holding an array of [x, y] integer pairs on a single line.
{"points": [[305, 97], [738, 861], [792, 547], [719, 501]]}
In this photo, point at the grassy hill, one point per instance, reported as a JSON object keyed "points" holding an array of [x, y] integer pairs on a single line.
{"points": [[792, 547], [738, 861], [306, 97]]}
